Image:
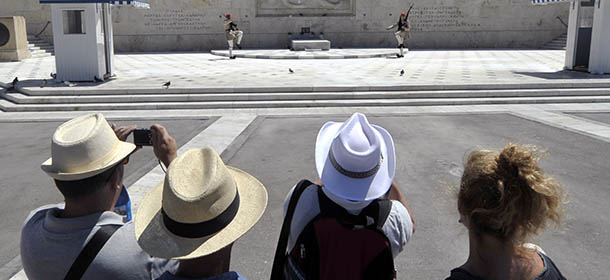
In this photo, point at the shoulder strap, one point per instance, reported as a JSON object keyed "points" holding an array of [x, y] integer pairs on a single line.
{"points": [[90, 251], [461, 274], [375, 213], [280, 249], [380, 210]]}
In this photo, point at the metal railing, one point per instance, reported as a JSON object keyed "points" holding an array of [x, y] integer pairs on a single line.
{"points": [[43, 29], [562, 22]]}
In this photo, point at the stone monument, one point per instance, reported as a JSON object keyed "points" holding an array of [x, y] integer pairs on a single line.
{"points": [[13, 39]]}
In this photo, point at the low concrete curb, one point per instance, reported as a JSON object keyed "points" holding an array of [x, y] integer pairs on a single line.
{"points": [[287, 54]]}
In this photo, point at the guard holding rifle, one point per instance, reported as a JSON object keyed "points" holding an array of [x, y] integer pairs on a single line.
{"points": [[233, 33], [402, 33]]}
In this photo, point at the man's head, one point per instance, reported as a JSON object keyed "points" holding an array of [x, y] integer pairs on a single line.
{"points": [[228, 16], [86, 156], [354, 159], [74, 190], [403, 15], [200, 208]]}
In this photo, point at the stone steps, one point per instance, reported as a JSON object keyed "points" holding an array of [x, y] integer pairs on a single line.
{"points": [[40, 48], [10, 107], [17, 102], [87, 89], [20, 98], [558, 43]]}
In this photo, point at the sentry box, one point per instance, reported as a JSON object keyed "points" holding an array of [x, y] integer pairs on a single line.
{"points": [[82, 35], [588, 44]]}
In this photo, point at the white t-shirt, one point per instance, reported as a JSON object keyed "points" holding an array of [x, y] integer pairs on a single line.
{"points": [[398, 227], [49, 246]]}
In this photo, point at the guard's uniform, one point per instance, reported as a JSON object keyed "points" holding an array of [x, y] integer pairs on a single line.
{"points": [[232, 33], [402, 33]]}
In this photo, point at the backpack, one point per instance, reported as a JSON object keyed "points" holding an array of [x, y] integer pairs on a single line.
{"points": [[336, 244]]}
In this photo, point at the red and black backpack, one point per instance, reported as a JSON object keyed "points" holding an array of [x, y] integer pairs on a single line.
{"points": [[336, 244]]}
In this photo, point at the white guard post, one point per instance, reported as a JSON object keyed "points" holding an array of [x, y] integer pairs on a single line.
{"points": [[588, 46], [82, 35], [599, 62]]}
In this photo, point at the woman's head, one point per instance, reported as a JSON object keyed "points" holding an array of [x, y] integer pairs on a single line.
{"points": [[507, 195]]}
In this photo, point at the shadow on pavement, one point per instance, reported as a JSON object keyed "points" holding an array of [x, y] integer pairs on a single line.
{"points": [[564, 74]]}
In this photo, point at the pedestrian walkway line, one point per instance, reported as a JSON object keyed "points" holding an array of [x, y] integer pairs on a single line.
{"points": [[219, 136], [590, 128]]}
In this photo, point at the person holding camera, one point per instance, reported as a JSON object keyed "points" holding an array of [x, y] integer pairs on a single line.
{"points": [[233, 34], [84, 238]]}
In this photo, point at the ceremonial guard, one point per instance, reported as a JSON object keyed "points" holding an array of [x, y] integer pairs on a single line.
{"points": [[402, 33], [233, 34]]}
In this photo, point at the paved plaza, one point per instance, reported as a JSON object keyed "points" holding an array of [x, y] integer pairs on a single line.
{"points": [[276, 144], [422, 67]]}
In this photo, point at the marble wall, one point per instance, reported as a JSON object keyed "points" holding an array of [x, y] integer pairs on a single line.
{"points": [[196, 25]]}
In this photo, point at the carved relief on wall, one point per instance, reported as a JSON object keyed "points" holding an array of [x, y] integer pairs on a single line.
{"points": [[175, 20], [305, 7]]}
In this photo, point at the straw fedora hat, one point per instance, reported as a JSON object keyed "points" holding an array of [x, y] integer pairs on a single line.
{"points": [[84, 147], [201, 207], [354, 159]]}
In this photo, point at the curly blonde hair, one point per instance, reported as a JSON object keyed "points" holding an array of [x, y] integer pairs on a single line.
{"points": [[507, 195]]}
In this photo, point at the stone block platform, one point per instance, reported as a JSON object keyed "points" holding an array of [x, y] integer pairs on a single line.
{"points": [[329, 54], [302, 45]]}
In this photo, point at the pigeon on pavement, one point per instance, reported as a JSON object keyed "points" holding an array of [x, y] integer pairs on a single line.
{"points": [[166, 85], [13, 85], [290, 70], [402, 72], [44, 83], [54, 76]]}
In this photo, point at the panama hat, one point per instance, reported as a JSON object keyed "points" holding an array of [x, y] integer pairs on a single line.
{"points": [[84, 147], [354, 159], [201, 207]]}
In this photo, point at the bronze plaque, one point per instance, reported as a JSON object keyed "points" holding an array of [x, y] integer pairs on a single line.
{"points": [[305, 8]]}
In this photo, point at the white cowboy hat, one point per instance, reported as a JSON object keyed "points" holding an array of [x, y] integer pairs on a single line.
{"points": [[355, 160], [84, 147], [201, 207]]}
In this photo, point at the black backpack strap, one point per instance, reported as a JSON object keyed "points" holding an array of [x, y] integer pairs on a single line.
{"points": [[90, 251], [280, 249], [376, 213], [379, 209], [461, 274]]}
